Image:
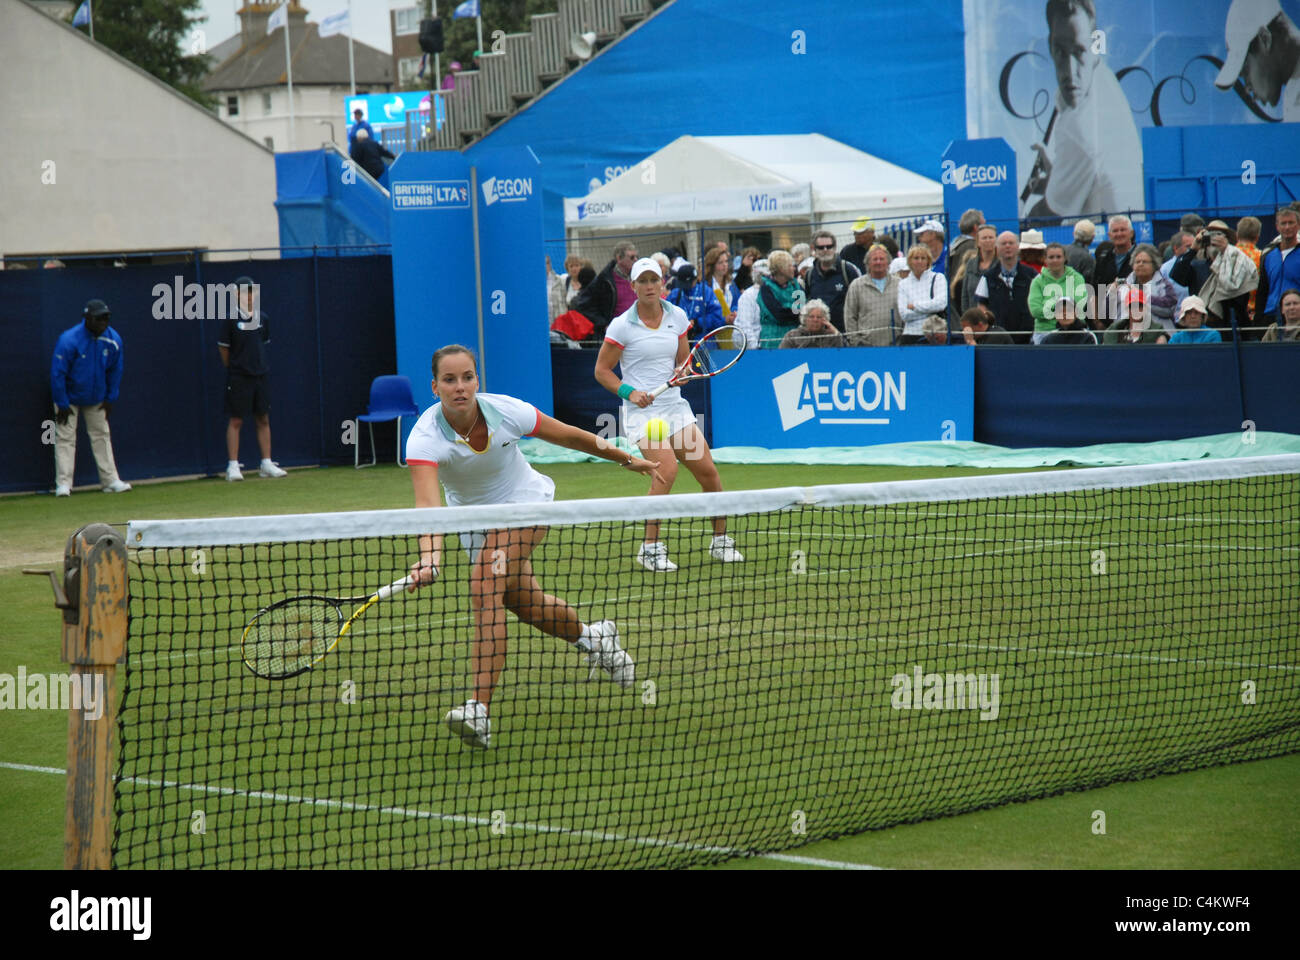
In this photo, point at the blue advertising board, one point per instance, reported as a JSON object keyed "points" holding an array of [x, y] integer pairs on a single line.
{"points": [[516, 339], [432, 230], [980, 174], [385, 109], [849, 397]]}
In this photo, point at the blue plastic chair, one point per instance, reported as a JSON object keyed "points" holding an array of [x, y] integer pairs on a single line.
{"points": [[390, 399]]}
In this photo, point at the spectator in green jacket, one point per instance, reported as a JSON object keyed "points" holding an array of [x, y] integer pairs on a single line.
{"points": [[1058, 280]]}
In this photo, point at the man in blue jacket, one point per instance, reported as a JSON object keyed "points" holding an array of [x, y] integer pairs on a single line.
{"points": [[698, 300], [84, 379], [1279, 268]]}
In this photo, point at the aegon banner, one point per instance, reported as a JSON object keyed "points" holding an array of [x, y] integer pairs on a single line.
{"points": [[980, 174], [851, 397], [730, 204]]}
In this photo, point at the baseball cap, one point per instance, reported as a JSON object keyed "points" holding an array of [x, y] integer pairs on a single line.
{"points": [[1192, 303], [644, 264], [930, 225], [863, 225], [762, 268], [1245, 17], [807, 264]]}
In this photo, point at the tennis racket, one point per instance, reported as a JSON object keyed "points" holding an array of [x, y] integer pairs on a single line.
{"points": [[291, 636], [700, 365]]}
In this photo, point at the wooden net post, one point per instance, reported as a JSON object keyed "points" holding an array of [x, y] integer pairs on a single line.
{"points": [[94, 643]]}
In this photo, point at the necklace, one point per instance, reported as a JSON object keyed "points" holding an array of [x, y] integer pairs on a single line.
{"points": [[465, 436]]}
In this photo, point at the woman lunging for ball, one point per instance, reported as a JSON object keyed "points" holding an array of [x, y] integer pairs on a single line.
{"points": [[469, 444], [649, 341]]}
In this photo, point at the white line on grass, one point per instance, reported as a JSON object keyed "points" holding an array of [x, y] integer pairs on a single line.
{"points": [[459, 818]]}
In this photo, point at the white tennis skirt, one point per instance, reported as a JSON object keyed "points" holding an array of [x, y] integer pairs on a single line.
{"points": [[676, 412]]}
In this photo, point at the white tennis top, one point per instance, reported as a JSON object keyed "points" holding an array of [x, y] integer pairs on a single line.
{"points": [[497, 474], [649, 355]]}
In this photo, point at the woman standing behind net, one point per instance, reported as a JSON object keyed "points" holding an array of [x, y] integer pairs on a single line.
{"points": [[648, 341]]}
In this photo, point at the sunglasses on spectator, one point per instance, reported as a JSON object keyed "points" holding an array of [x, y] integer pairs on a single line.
{"points": [[825, 246]]}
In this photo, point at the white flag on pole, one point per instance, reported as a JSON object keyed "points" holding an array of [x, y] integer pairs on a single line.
{"points": [[336, 23], [278, 19]]}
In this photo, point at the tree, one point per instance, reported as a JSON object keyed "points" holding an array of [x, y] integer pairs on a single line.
{"points": [[158, 36]]}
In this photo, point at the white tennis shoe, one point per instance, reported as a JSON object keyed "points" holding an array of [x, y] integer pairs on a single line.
{"points": [[723, 548], [470, 723], [269, 469], [117, 486], [607, 655], [654, 557], [62, 491], [233, 472]]}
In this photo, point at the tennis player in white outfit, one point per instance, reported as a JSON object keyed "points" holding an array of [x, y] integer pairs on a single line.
{"points": [[649, 342], [468, 443]]}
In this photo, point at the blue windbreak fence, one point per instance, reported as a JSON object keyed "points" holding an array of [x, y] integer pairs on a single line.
{"points": [[331, 321]]}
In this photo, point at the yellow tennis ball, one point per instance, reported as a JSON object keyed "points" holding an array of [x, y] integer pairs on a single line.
{"points": [[656, 429]]}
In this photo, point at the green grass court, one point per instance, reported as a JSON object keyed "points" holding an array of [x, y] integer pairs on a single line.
{"points": [[771, 696]]}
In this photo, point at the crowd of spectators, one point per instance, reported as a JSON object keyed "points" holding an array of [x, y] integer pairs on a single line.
{"points": [[1206, 283]]}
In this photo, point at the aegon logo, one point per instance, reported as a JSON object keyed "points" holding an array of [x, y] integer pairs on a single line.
{"points": [[507, 189], [802, 395], [595, 208], [969, 175]]}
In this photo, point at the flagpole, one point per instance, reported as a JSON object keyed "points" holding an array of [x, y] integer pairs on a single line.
{"points": [[288, 66], [90, 9], [437, 58], [352, 70], [479, 21]]}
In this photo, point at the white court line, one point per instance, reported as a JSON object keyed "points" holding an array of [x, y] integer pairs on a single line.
{"points": [[458, 818]]}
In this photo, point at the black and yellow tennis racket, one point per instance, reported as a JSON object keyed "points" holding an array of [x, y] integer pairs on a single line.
{"points": [[291, 636]]}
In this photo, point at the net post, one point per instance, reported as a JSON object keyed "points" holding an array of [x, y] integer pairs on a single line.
{"points": [[94, 642]]}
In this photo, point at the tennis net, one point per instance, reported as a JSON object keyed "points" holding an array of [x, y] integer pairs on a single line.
{"points": [[886, 653]]}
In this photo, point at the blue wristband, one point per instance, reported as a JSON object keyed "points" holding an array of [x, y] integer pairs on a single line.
{"points": [[625, 390]]}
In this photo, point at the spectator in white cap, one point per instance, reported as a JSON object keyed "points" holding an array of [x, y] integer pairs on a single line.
{"points": [[1264, 51], [1032, 249], [930, 233], [1191, 321], [648, 342], [864, 235]]}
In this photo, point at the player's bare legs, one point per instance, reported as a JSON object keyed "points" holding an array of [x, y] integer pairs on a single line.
{"points": [[661, 454], [524, 597], [693, 450]]}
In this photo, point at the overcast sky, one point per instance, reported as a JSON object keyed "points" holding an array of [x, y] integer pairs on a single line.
{"points": [[369, 18]]}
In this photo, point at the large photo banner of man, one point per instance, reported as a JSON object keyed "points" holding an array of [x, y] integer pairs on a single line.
{"points": [[1067, 83]]}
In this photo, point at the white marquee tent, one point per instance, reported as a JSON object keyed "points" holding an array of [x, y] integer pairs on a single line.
{"points": [[701, 182]]}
